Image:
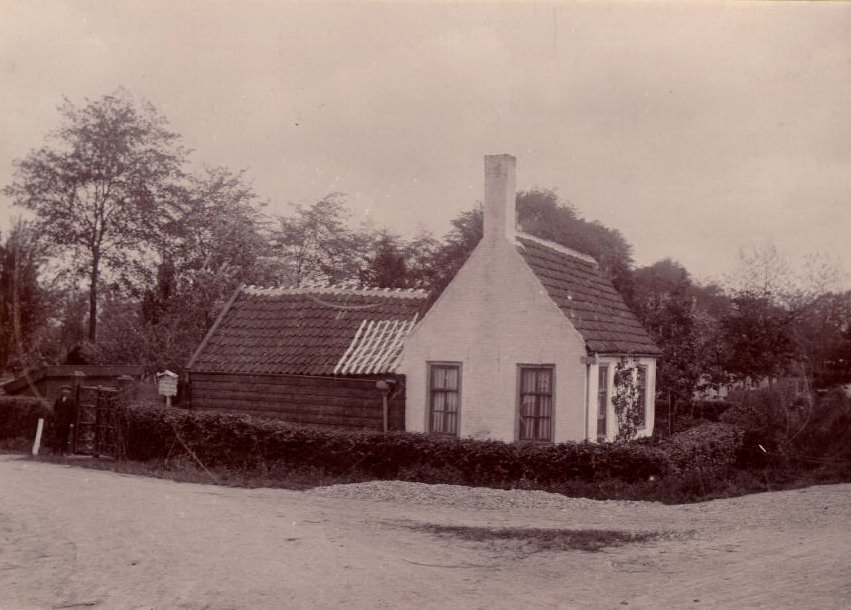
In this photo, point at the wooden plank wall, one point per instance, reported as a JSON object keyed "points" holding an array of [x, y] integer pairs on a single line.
{"points": [[347, 402]]}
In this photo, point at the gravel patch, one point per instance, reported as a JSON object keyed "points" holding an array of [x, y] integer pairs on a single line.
{"points": [[459, 496]]}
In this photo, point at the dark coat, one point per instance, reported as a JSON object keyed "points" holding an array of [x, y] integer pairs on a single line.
{"points": [[64, 412]]}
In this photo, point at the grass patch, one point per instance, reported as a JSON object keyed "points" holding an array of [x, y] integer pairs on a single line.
{"points": [[183, 469], [534, 540]]}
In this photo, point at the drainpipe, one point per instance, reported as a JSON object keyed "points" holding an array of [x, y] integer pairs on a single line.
{"points": [[587, 413], [385, 386]]}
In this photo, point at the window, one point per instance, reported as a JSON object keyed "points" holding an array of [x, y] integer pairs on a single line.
{"points": [[444, 398], [641, 408], [536, 403], [602, 401]]}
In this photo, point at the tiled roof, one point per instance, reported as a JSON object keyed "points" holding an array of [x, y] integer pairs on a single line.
{"points": [[587, 298], [310, 331]]}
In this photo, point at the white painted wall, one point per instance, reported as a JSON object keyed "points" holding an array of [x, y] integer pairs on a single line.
{"points": [[494, 316]]}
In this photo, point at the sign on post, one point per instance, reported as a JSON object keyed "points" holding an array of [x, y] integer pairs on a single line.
{"points": [[167, 385]]}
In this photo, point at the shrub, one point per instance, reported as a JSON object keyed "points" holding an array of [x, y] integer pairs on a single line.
{"points": [[768, 415], [709, 446], [825, 433], [19, 415], [711, 410], [781, 426]]}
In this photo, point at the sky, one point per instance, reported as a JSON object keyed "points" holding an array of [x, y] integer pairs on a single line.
{"points": [[695, 129]]}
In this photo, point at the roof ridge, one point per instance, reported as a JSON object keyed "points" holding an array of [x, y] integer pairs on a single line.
{"points": [[558, 247], [407, 293]]}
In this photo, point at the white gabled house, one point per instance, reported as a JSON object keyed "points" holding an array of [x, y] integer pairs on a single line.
{"points": [[523, 343]]}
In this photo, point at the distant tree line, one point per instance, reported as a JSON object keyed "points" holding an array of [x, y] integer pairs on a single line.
{"points": [[130, 257]]}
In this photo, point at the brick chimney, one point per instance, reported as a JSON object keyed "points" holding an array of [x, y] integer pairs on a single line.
{"points": [[500, 214]]}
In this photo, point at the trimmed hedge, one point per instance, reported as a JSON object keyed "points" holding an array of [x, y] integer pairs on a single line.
{"points": [[19, 415], [241, 441]]}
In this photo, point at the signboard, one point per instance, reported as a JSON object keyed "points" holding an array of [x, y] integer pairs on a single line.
{"points": [[167, 383]]}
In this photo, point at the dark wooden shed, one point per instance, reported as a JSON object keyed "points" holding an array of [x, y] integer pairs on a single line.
{"points": [[47, 380], [308, 356]]}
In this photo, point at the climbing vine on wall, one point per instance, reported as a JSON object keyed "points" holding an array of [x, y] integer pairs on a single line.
{"points": [[626, 399]]}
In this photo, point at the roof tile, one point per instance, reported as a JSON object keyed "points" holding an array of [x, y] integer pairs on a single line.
{"points": [[587, 298], [305, 331]]}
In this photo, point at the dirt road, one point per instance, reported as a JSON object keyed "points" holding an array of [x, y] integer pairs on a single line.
{"points": [[77, 538]]}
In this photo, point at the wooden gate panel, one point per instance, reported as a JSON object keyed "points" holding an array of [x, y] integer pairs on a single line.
{"points": [[96, 429]]}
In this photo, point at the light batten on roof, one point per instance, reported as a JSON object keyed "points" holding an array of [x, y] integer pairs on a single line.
{"points": [[414, 293]]}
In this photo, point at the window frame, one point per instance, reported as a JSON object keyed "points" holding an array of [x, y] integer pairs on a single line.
{"points": [[519, 403], [430, 365], [642, 370], [606, 395]]}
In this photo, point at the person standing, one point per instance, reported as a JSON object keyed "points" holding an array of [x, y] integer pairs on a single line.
{"points": [[64, 415]]}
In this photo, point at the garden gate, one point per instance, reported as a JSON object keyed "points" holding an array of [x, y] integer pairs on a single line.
{"points": [[97, 431]]}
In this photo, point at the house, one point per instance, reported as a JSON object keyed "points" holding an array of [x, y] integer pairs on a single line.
{"points": [[524, 343], [320, 356]]}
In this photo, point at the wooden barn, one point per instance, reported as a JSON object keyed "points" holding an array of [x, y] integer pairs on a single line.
{"points": [[319, 356]]}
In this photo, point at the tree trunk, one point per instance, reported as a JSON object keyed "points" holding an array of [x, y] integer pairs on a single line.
{"points": [[672, 413], [93, 299]]}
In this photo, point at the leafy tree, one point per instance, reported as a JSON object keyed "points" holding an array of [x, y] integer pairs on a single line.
{"points": [[444, 262], [541, 213], [757, 339], [764, 333], [23, 305], [317, 245], [103, 188], [388, 265], [664, 302], [222, 228], [220, 242], [420, 255]]}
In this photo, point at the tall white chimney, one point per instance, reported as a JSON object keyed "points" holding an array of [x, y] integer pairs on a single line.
{"points": [[500, 216]]}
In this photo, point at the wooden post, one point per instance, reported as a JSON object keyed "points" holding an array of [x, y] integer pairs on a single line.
{"points": [[38, 430], [72, 438]]}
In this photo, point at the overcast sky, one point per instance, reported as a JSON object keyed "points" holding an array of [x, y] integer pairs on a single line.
{"points": [[694, 129]]}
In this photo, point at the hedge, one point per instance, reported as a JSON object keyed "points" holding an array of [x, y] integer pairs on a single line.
{"points": [[709, 446], [232, 441], [241, 441], [19, 415]]}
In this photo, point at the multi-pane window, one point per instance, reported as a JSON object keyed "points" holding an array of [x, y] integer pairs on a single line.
{"points": [[536, 403], [444, 397], [602, 401], [642, 396]]}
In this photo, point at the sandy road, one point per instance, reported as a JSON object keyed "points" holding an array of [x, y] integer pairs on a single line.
{"points": [[78, 538]]}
